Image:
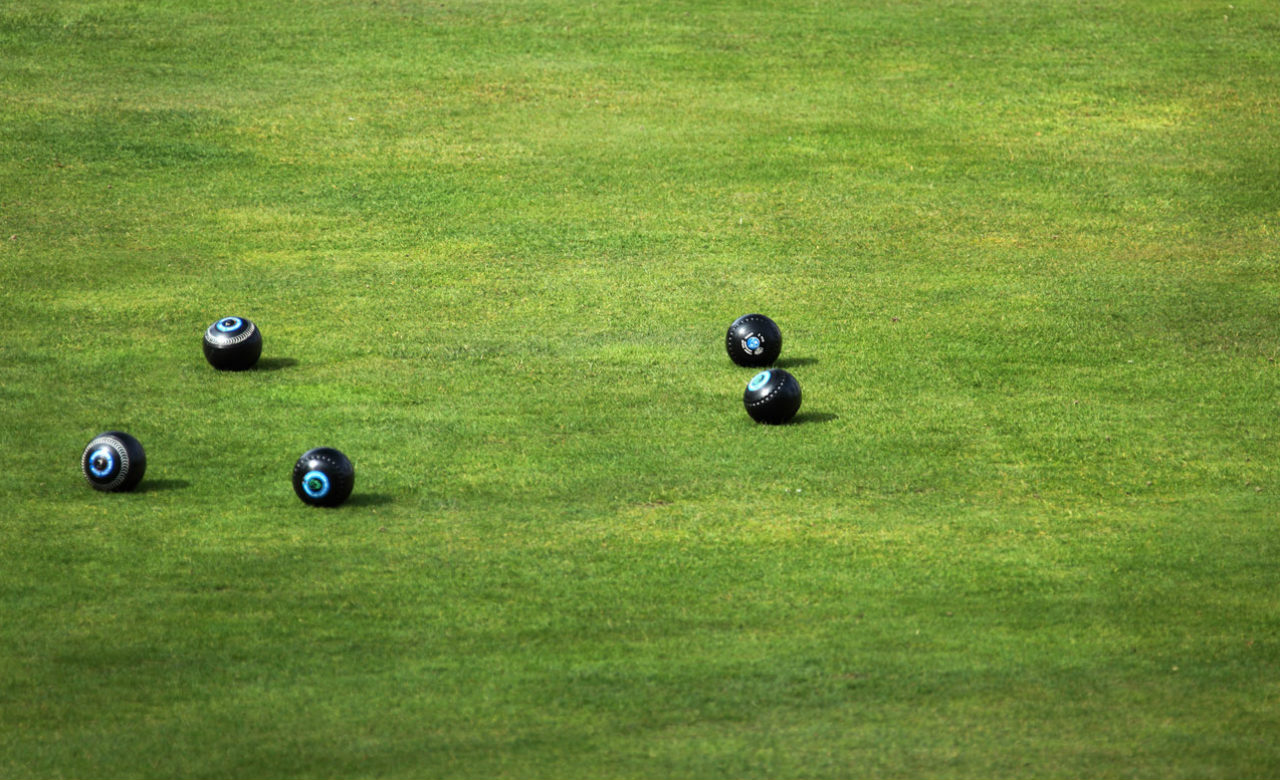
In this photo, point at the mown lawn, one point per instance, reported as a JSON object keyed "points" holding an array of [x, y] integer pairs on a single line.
{"points": [[1025, 259]]}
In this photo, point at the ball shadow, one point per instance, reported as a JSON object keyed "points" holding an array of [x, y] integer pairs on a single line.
{"points": [[806, 418], [275, 364], [795, 362], [156, 485], [368, 499]]}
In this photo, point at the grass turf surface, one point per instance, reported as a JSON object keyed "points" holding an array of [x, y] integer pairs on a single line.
{"points": [[1024, 256]]}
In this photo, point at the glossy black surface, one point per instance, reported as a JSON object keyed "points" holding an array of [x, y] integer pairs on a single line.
{"points": [[113, 462], [753, 340], [772, 397], [323, 477], [232, 344]]}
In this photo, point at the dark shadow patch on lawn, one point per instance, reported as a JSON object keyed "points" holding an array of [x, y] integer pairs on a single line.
{"points": [[795, 362], [275, 364], [155, 485], [369, 499], [805, 418]]}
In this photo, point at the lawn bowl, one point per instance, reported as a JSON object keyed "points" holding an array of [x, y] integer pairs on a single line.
{"points": [[113, 462], [772, 397], [323, 477], [232, 344], [753, 341]]}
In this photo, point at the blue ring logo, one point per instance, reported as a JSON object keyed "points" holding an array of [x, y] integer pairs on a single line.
{"points": [[102, 462], [229, 324], [753, 343], [759, 380], [315, 484]]}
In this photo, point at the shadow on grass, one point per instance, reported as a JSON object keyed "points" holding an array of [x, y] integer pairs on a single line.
{"points": [[156, 485], [275, 364], [368, 499], [795, 362], [805, 418]]}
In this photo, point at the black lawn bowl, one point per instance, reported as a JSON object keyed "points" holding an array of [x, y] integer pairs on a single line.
{"points": [[753, 341], [323, 477], [113, 462], [232, 344], [772, 397]]}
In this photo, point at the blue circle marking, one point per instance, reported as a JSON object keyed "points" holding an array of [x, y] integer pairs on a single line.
{"points": [[102, 455], [315, 484], [759, 380], [229, 324], [753, 342]]}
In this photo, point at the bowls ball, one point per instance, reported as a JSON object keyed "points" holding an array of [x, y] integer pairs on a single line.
{"points": [[323, 477], [753, 340], [772, 397], [113, 462], [232, 344]]}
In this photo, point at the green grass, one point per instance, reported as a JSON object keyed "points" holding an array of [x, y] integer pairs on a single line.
{"points": [[1025, 259]]}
